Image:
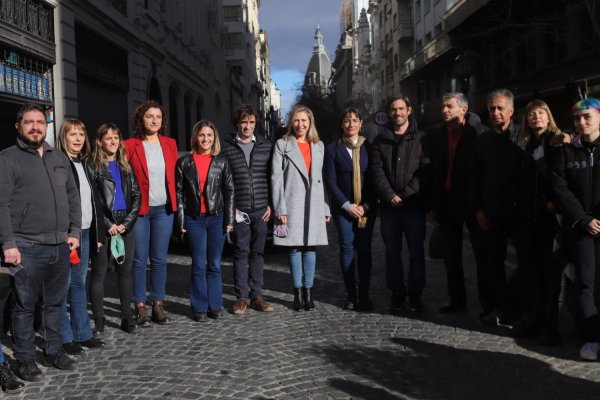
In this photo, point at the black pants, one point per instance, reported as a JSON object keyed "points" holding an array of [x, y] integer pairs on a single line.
{"points": [[100, 264], [452, 231], [491, 275], [249, 241], [6, 303], [535, 285], [586, 256]]}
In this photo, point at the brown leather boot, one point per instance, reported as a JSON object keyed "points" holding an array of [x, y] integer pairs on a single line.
{"points": [[159, 315], [141, 315]]}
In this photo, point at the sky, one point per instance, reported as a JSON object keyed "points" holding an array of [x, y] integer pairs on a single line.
{"points": [[290, 27]]}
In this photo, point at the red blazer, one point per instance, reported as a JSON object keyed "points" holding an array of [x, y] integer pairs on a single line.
{"points": [[137, 159]]}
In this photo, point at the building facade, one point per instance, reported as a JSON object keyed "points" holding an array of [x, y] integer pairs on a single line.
{"points": [[28, 53]]}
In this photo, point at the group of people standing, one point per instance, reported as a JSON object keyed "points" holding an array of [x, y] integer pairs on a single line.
{"points": [[117, 204]]}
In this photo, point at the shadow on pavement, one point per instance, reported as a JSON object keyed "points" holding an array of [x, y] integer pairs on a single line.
{"points": [[422, 370]]}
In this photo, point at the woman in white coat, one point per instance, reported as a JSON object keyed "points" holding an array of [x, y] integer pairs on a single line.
{"points": [[299, 200]]}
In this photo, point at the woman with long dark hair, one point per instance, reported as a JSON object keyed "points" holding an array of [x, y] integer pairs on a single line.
{"points": [[153, 157], [352, 207], [120, 200]]}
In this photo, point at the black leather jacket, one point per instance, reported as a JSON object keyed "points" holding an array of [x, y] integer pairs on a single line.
{"points": [[131, 191], [218, 193], [97, 233]]}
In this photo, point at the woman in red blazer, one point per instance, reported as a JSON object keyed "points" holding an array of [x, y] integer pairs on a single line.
{"points": [[153, 157]]}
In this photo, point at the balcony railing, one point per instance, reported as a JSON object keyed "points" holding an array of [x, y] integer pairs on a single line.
{"points": [[430, 51], [32, 16]]}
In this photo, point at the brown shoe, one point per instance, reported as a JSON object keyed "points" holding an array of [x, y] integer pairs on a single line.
{"points": [[141, 315], [259, 304], [240, 306], [159, 315]]}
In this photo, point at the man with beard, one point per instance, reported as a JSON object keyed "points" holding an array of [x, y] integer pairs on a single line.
{"points": [[40, 212], [398, 170]]}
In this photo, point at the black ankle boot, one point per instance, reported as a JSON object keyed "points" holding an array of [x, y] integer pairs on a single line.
{"points": [[308, 301], [298, 301]]}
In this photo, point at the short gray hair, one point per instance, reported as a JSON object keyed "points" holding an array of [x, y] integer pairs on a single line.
{"points": [[461, 99], [502, 93]]}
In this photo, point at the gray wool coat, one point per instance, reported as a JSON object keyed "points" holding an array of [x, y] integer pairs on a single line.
{"points": [[300, 197]]}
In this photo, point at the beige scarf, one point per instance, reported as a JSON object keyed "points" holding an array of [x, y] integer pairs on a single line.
{"points": [[356, 181]]}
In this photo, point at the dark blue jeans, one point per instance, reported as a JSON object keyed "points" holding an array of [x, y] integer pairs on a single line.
{"points": [[248, 261], [152, 235], [45, 273], [397, 223], [206, 239], [77, 328], [353, 238]]}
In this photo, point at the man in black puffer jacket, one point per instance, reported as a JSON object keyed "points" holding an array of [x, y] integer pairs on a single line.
{"points": [[249, 158]]}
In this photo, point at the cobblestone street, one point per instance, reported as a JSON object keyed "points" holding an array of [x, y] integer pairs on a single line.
{"points": [[325, 354]]}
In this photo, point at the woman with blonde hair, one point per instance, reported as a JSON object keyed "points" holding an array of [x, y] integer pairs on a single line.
{"points": [[205, 212], [120, 201], [301, 207], [539, 275], [77, 331]]}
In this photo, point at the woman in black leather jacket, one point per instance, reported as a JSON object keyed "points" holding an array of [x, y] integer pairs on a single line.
{"points": [[120, 201], [75, 325], [205, 211]]}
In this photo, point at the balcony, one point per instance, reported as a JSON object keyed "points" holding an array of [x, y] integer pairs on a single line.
{"points": [[427, 54], [405, 29], [32, 16], [459, 10]]}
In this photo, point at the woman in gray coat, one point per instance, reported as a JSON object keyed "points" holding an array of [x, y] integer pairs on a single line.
{"points": [[299, 200]]}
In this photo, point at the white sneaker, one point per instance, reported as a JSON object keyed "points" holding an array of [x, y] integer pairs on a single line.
{"points": [[589, 351]]}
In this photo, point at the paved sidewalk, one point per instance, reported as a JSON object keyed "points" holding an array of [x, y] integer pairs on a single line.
{"points": [[325, 354]]}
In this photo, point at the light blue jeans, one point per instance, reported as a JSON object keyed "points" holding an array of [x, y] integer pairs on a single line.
{"points": [[303, 261]]}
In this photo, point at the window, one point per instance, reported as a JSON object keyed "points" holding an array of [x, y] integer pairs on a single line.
{"points": [[426, 6], [417, 10], [231, 13], [233, 40]]}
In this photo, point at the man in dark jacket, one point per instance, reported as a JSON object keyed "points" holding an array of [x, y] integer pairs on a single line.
{"points": [[40, 212], [494, 172], [449, 148], [398, 168], [249, 158]]}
